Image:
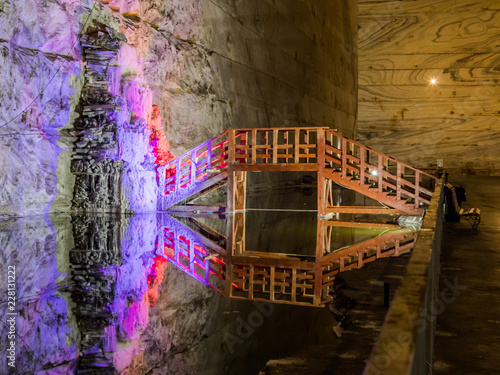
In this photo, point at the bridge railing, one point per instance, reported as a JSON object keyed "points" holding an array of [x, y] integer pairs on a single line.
{"points": [[181, 247], [276, 145], [393, 243], [309, 147], [352, 159], [194, 165], [238, 147]]}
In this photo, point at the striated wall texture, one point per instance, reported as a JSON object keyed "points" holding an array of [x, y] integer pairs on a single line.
{"points": [[208, 64], [403, 45]]}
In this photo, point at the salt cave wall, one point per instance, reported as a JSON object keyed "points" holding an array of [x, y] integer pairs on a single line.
{"points": [[403, 45], [40, 65], [208, 64]]}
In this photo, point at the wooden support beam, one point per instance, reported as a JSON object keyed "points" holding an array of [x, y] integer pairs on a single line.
{"points": [[344, 157], [321, 175], [250, 281], [362, 167], [240, 190], [228, 286], [417, 189], [318, 283], [239, 233], [353, 224], [231, 189], [254, 146], [372, 210], [380, 173]]}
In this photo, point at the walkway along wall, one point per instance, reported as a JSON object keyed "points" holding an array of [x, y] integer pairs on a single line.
{"points": [[405, 344]]}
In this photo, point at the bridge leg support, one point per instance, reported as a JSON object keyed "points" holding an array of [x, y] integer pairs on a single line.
{"points": [[236, 191]]}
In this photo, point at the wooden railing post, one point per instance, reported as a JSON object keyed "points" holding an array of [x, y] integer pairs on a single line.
{"points": [[207, 271], [398, 182], [344, 157], [321, 169], [380, 172], [231, 191], [417, 188], [250, 281], [193, 167], [240, 187], [230, 146], [209, 154], [191, 257], [177, 174], [271, 283], [297, 144], [254, 146], [275, 146], [266, 149], [362, 165]]}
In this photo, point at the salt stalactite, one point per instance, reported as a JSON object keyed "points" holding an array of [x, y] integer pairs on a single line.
{"points": [[95, 162]]}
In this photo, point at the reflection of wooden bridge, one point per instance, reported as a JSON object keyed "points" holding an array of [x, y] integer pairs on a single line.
{"points": [[298, 280], [227, 158]]}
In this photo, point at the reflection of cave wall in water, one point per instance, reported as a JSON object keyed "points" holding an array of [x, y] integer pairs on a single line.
{"points": [[97, 250], [94, 163], [43, 322], [116, 277]]}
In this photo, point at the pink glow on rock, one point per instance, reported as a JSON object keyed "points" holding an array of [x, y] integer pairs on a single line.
{"points": [[155, 279], [135, 319], [158, 139]]}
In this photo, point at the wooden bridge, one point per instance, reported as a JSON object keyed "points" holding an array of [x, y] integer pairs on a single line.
{"points": [[226, 159], [222, 260], [274, 277]]}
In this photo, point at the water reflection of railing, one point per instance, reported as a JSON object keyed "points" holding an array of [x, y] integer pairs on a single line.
{"points": [[274, 277], [185, 248], [302, 281]]}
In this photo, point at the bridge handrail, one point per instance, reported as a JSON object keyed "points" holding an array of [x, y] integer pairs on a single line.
{"points": [[382, 154], [401, 185], [298, 145]]}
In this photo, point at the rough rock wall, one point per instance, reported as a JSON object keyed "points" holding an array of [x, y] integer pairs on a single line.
{"points": [[40, 72], [95, 163], [403, 45], [43, 321], [208, 64]]}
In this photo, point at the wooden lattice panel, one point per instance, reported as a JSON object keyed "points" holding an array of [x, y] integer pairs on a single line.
{"points": [[292, 285]]}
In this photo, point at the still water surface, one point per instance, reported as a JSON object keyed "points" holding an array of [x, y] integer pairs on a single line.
{"points": [[95, 295]]}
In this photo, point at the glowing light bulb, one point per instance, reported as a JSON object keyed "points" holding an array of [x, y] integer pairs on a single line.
{"points": [[374, 173], [433, 81]]}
